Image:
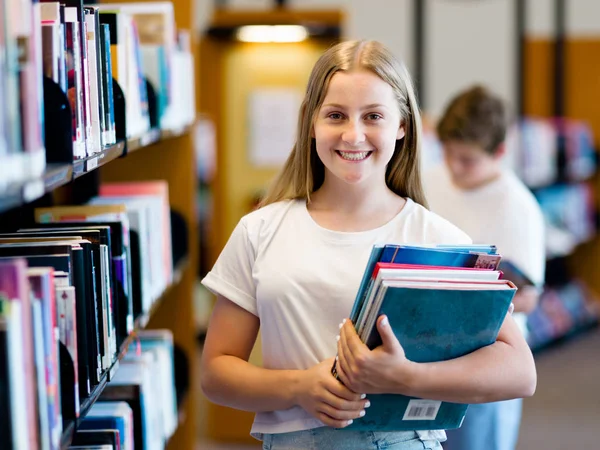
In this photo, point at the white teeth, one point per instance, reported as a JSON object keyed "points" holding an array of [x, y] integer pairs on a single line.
{"points": [[354, 156]]}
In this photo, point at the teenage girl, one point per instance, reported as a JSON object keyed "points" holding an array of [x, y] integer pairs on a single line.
{"points": [[292, 269]]}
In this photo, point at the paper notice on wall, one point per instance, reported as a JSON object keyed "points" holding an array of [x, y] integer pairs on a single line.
{"points": [[272, 120]]}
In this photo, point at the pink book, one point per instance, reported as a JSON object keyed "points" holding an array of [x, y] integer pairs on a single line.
{"points": [[14, 284], [155, 188], [41, 280]]}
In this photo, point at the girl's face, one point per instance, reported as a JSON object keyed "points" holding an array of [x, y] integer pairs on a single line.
{"points": [[357, 127]]}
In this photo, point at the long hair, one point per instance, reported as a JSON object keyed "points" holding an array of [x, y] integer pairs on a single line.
{"points": [[303, 172]]}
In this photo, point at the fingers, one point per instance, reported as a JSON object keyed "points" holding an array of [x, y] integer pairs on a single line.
{"points": [[330, 422], [346, 405], [343, 362], [344, 352], [341, 414], [339, 389], [351, 340]]}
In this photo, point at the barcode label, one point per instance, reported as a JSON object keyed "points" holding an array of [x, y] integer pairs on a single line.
{"points": [[422, 410]]}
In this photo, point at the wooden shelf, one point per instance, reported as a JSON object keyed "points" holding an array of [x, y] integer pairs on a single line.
{"points": [[170, 134], [147, 139], [84, 166], [140, 323], [57, 175], [17, 194]]}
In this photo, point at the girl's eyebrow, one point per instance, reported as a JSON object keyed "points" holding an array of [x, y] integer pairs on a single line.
{"points": [[337, 105]]}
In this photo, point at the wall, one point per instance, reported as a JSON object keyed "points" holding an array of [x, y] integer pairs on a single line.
{"points": [[467, 41], [459, 32]]}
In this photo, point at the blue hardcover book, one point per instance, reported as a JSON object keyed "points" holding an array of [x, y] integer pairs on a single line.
{"points": [[111, 415], [365, 282], [434, 324], [405, 254], [478, 248]]}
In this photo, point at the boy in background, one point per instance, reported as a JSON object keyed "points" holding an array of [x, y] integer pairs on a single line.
{"points": [[475, 192]]}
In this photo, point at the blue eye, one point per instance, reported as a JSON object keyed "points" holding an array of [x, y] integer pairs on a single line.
{"points": [[335, 116], [374, 117]]}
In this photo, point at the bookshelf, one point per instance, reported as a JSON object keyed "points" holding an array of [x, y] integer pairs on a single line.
{"points": [[557, 79], [160, 153], [141, 322]]}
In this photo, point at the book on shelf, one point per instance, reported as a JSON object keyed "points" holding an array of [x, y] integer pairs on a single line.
{"points": [[113, 416], [442, 303], [87, 439], [145, 381], [82, 49], [23, 156], [158, 189], [64, 316]]}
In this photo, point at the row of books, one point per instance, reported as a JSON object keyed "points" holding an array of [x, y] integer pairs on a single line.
{"points": [[84, 51], [101, 266], [561, 312], [138, 408], [570, 215], [548, 151], [442, 302]]}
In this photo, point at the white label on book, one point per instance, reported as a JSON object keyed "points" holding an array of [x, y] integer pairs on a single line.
{"points": [[422, 410], [92, 164]]}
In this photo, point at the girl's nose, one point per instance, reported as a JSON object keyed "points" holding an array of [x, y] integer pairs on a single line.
{"points": [[353, 133]]}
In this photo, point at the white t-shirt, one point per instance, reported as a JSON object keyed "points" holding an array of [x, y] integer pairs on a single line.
{"points": [[301, 280], [503, 212]]}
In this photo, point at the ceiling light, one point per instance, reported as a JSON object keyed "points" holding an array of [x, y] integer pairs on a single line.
{"points": [[272, 33]]}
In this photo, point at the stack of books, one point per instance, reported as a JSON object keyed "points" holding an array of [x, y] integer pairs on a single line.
{"points": [[442, 303]]}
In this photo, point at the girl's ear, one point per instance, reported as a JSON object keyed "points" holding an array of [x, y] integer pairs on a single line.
{"points": [[401, 132]]}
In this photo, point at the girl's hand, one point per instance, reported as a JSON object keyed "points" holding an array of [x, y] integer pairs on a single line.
{"points": [[325, 398], [384, 369]]}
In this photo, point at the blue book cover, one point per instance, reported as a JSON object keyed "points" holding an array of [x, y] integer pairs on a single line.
{"points": [[106, 423], [433, 325], [438, 257], [376, 252], [111, 415], [478, 248]]}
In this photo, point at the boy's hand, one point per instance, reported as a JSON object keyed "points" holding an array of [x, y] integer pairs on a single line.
{"points": [[384, 369], [325, 398]]}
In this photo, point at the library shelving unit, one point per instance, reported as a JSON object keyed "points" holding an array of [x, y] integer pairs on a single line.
{"points": [[557, 81], [118, 162], [156, 155]]}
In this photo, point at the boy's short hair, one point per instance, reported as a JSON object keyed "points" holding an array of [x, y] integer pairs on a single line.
{"points": [[475, 116]]}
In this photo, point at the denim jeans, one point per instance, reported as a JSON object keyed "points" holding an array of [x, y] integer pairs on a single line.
{"points": [[489, 426], [326, 438]]}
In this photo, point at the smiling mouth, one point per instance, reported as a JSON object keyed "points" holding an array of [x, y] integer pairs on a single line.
{"points": [[354, 156]]}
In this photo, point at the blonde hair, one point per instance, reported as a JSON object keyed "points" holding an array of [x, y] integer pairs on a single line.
{"points": [[304, 173]]}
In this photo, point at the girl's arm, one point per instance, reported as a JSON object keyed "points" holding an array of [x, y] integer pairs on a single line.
{"points": [[501, 371], [228, 378]]}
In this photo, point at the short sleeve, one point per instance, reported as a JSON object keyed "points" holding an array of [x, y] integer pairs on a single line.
{"points": [[231, 276]]}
